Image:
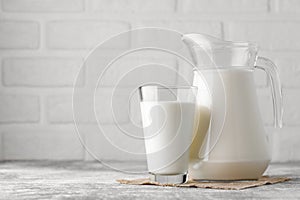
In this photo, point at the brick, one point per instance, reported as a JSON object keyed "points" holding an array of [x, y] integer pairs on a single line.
{"points": [[112, 105], [41, 72], [269, 35], [19, 108], [292, 6], [133, 70], [213, 28], [19, 35], [85, 34], [291, 107], [285, 144], [112, 144], [171, 39], [204, 6], [134, 5], [42, 6], [42, 144], [135, 73], [289, 68], [59, 108]]}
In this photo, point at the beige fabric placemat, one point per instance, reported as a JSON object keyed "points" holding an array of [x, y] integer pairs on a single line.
{"points": [[225, 185]]}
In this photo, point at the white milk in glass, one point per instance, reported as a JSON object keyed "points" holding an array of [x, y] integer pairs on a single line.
{"points": [[168, 129]]}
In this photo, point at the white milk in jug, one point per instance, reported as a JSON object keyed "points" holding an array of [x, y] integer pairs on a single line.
{"points": [[235, 148]]}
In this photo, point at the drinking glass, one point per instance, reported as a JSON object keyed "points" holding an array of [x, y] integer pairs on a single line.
{"points": [[168, 120]]}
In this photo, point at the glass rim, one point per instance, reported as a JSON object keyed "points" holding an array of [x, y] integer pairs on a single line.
{"points": [[231, 45], [169, 87], [237, 45]]}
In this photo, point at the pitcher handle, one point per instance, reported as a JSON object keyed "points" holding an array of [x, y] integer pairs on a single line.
{"points": [[271, 70]]}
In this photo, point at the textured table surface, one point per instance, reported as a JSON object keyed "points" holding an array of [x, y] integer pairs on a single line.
{"points": [[91, 180]]}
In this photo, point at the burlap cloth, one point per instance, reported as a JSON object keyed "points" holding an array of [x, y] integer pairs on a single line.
{"points": [[225, 185]]}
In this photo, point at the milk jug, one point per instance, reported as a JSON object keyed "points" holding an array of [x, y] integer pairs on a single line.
{"points": [[230, 142]]}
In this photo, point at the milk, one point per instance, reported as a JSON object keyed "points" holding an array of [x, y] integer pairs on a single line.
{"points": [[202, 121], [168, 129], [235, 145]]}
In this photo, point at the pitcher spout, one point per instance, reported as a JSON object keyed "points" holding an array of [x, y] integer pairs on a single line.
{"points": [[200, 47], [208, 51]]}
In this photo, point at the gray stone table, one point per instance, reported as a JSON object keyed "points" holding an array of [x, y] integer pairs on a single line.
{"points": [[91, 180]]}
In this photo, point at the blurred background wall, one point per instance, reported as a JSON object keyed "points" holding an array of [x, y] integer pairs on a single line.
{"points": [[43, 42]]}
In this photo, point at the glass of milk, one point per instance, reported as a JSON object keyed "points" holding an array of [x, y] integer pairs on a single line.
{"points": [[168, 119]]}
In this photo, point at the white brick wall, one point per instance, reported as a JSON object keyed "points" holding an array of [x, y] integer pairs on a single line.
{"points": [[219, 6], [42, 44], [40, 72], [19, 108], [210, 27], [153, 6], [41, 144], [274, 35], [82, 34], [59, 108], [42, 6], [19, 34], [292, 114], [288, 6]]}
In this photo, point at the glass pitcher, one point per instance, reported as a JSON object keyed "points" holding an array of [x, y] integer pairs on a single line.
{"points": [[230, 142]]}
